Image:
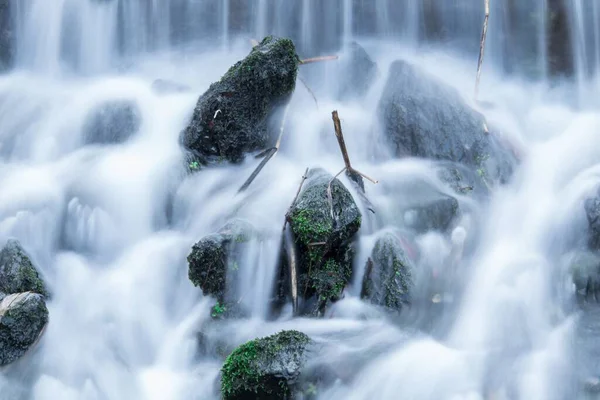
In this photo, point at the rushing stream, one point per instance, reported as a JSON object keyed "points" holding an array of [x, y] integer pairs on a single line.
{"points": [[111, 224]]}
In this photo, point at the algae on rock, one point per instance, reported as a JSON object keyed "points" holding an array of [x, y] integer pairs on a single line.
{"points": [[17, 272], [265, 368], [231, 117]]}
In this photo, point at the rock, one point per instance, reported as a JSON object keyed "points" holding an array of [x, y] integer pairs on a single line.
{"points": [[357, 71], [163, 86], [17, 273], [23, 317], [266, 368], [112, 123], [231, 118], [213, 262], [592, 212], [323, 243], [422, 117], [388, 280], [437, 214], [7, 45], [584, 267]]}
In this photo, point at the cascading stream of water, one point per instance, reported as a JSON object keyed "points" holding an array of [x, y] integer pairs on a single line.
{"points": [[110, 223]]}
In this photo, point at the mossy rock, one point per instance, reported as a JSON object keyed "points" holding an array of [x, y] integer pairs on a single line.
{"points": [[423, 117], [324, 242], [266, 368], [388, 279], [23, 317], [231, 117], [17, 272], [213, 262]]}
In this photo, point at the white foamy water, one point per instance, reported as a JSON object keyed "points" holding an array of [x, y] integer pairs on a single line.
{"points": [[110, 226]]}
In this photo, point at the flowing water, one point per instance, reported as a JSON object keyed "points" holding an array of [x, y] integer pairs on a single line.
{"points": [[110, 225]]}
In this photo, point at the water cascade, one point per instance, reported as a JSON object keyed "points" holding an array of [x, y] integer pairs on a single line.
{"points": [[99, 191]]}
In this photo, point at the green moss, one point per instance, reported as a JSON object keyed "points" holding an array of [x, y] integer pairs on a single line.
{"points": [[329, 280], [246, 371], [218, 310]]}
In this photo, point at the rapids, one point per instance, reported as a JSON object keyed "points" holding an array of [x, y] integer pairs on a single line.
{"points": [[111, 225]]}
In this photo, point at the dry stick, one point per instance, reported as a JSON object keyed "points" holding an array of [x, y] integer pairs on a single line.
{"points": [[318, 59], [269, 153], [291, 249], [350, 171], [309, 91], [482, 46]]}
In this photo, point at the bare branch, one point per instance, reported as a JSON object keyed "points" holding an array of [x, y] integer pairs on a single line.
{"points": [[309, 91], [318, 59], [482, 46]]}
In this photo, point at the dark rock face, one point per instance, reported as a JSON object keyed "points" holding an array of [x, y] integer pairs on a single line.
{"points": [[23, 317], [435, 215], [388, 279], [357, 71], [112, 123], [323, 242], [266, 368], [213, 263], [17, 273], [585, 272], [423, 117], [592, 212], [7, 47], [231, 118]]}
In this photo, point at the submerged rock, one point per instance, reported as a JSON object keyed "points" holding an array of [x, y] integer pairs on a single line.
{"points": [[423, 117], [592, 212], [231, 118], [7, 45], [17, 273], [213, 263], [23, 317], [437, 214], [112, 123], [388, 279], [266, 368], [323, 242], [357, 71], [584, 267], [163, 86]]}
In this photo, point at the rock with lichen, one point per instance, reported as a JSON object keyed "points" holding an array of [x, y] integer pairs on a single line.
{"points": [[266, 368], [388, 279], [231, 117], [323, 233], [423, 117], [17, 272], [214, 263], [23, 317]]}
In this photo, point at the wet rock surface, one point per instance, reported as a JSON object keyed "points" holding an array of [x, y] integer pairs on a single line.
{"points": [[23, 317], [323, 241], [423, 117], [358, 72], [231, 117], [266, 368], [112, 123], [213, 264], [17, 272], [388, 278]]}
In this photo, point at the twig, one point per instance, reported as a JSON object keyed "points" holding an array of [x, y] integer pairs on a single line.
{"points": [[318, 59], [309, 91], [353, 175], [268, 154], [290, 247], [330, 195], [482, 46]]}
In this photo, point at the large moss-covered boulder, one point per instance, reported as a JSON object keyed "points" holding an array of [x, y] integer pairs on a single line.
{"points": [[423, 117], [23, 317], [17, 272], [214, 263], [112, 122], [388, 279], [323, 237], [266, 368], [231, 118]]}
